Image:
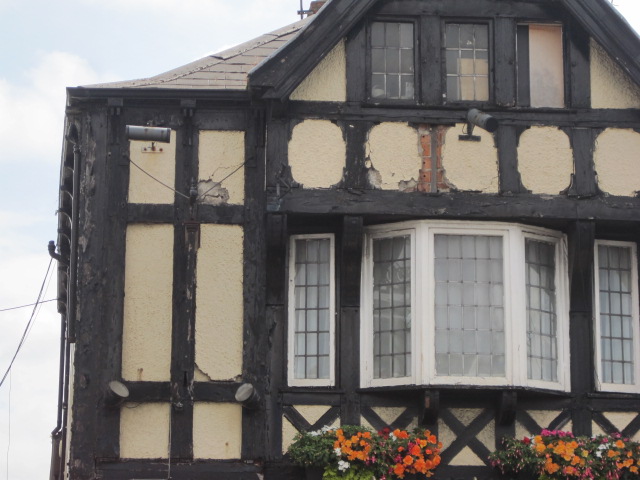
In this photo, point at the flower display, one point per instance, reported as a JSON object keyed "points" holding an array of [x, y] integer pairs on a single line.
{"points": [[560, 455], [356, 453]]}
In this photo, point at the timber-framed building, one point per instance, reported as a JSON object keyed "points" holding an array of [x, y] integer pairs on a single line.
{"points": [[326, 225]]}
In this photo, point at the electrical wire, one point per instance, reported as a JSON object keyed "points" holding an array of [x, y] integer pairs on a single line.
{"points": [[217, 184], [159, 181], [30, 322], [27, 305]]}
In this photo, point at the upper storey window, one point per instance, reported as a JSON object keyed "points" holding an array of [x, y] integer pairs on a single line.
{"points": [[392, 61], [540, 66], [467, 62]]}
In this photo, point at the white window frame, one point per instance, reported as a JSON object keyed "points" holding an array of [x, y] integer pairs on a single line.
{"points": [[366, 309], [423, 304], [291, 327], [635, 314]]}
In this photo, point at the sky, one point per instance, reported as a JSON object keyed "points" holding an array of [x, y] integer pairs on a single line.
{"points": [[47, 46]]}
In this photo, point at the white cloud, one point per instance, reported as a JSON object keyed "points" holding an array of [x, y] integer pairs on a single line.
{"points": [[32, 112]]}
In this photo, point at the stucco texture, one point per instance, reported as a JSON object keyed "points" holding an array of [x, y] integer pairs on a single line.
{"points": [[311, 414], [447, 436], [219, 154], [144, 430], [617, 161], [541, 417], [160, 164], [545, 160], [146, 338], [317, 153], [219, 302], [328, 81], [217, 431], [611, 87], [471, 166], [394, 152]]}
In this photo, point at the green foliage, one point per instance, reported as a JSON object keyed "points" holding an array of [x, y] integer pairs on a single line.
{"points": [[353, 473]]}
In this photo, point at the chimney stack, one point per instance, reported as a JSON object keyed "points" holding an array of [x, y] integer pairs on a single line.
{"points": [[315, 6]]}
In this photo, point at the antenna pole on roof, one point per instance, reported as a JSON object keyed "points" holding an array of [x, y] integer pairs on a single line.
{"points": [[302, 12]]}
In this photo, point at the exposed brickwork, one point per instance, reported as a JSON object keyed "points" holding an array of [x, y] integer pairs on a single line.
{"points": [[429, 134], [315, 6]]}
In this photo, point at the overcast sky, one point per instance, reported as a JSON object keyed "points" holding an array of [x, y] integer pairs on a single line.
{"points": [[48, 45]]}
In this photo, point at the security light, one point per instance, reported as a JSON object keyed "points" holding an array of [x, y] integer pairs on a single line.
{"points": [[149, 134], [476, 118]]}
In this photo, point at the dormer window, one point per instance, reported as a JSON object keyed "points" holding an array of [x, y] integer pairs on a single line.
{"points": [[467, 62], [392, 61]]}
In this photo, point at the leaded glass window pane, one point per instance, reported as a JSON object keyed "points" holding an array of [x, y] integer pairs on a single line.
{"points": [[616, 320], [312, 308], [392, 61], [542, 334], [467, 62], [469, 306], [392, 307]]}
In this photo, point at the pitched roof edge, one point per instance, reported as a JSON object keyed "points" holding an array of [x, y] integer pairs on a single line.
{"points": [[611, 30], [285, 69]]}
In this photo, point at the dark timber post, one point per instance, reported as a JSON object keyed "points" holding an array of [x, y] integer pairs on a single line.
{"points": [[186, 234], [349, 318], [581, 257]]}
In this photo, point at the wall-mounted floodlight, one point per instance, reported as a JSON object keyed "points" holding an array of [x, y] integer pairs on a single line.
{"points": [[117, 392], [476, 118], [148, 134], [248, 396]]}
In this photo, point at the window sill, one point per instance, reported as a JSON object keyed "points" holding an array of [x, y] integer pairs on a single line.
{"points": [[525, 391]]}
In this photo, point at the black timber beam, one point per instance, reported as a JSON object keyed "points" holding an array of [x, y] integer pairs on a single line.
{"points": [[581, 315], [578, 118], [255, 367], [200, 470], [477, 8], [525, 207], [216, 214]]}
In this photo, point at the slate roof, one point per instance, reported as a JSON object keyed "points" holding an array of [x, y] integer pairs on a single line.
{"points": [[226, 70]]}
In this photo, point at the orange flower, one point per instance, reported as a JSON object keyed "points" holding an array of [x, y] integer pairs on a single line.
{"points": [[408, 460], [415, 450], [399, 470], [619, 444]]}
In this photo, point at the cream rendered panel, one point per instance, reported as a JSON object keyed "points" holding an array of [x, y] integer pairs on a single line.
{"points": [[611, 87], [617, 161], [70, 425], [220, 153], [148, 285], [217, 431], [289, 433], [311, 414], [545, 160], [328, 81], [317, 153], [219, 302], [471, 165], [160, 164], [393, 150], [144, 430]]}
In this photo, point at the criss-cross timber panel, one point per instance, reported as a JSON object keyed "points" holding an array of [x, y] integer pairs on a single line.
{"points": [[302, 425], [465, 435], [625, 423], [402, 421], [533, 422]]}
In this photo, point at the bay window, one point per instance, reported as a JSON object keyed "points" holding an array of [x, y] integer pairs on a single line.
{"points": [[617, 320], [471, 303]]}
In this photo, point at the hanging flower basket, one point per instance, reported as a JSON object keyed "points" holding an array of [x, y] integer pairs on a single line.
{"points": [[357, 453], [557, 455]]}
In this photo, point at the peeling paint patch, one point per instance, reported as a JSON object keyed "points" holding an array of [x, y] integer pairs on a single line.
{"points": [[212, 193], [393, 152], [221, 157]]}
